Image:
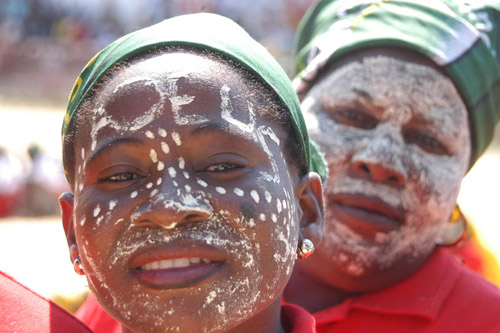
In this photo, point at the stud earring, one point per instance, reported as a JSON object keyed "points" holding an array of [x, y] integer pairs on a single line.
{"points": [[77, 266], [305, 248]]}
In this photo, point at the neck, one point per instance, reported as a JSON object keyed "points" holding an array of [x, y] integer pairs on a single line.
{"points": [[311, 294]]}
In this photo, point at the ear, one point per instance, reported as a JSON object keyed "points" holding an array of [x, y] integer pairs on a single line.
{"points": [[66, 201], [309, 193]]}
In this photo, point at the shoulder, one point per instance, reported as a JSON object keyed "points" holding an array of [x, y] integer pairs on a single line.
{"points": [[23, 310], [475, 300], [296, 319]]}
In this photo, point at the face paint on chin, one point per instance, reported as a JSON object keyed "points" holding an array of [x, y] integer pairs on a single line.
{"points": [[394, 93]]}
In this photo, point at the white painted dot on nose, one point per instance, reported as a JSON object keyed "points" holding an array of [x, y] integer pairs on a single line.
{"points": [[182, 163], [187, 187], [177, 138], [262, 217], [153, 193], [165, 148], [268, 197], [160, 166], [162, 133], [175, 183], [278, 205], [186, 174], [221, 190], [255, 196], [274, 218], [150, 134], [133, 194], [153, 155], [112, 204], [97, 210], [159, 180], [172, 173], [149, 185], [284, 204], [239, 192]]}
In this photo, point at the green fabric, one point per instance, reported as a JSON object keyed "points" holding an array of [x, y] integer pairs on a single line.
{"points": [[204, 31], [462, 39]]}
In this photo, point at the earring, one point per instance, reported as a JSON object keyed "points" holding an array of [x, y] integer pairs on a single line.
{"points": [[77, 266], [455, 229], [305, 248]]}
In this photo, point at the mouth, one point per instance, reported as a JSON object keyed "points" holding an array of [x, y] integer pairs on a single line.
{"points": [[366, 215], [177, 266]]}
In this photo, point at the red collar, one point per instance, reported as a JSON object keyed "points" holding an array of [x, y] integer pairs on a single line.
{"points": [[296, 319], [422, 294]]}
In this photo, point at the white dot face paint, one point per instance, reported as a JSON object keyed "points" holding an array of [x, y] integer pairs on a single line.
{"points": [[255, 196], [165, 148], [177, 138], [147, 181], [221, 190], [403, 102], [162, 133], [153, 156], [171, 172]]}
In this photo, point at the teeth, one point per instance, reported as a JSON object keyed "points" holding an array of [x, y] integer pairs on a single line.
{"points": [[173, 263]]}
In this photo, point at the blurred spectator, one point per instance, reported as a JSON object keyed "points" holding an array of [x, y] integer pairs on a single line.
{"points": [[44, 183], [11, 182]]}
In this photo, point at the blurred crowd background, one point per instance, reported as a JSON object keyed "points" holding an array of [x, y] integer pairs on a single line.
{"points": [[45, 43], [43, 46]]}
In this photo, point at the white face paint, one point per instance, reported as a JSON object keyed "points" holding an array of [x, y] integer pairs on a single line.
{"points": [[397, 143], [160, 181]]}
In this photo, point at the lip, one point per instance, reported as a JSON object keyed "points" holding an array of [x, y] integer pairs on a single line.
{"points": [[141, 261], [366, 215]]}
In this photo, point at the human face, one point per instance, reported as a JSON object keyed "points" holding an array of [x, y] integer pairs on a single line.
{"points": [[397, 142], [184, 208]]}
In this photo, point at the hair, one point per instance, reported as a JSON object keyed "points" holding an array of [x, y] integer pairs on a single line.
{"points": [[273, 107]]}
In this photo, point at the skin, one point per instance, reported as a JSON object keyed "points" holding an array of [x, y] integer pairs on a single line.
{"points": [[163, 176], [396, 137]]}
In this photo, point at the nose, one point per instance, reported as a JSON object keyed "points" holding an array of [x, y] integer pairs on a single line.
{"points": [[381, 161], [167, 210]]}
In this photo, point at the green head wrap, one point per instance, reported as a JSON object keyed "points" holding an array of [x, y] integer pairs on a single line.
{"points": [[204, 31], [462, 37]]}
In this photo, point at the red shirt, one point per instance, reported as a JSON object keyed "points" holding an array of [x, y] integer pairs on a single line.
{"points": [[440, 297], [22, 310], [293, 318]]}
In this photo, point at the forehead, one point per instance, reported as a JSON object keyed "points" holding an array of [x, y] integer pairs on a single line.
{"points": [[396, 79]]}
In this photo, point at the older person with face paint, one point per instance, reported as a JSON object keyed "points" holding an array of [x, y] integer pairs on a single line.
{"points": [[188, 211], [402, 97]]}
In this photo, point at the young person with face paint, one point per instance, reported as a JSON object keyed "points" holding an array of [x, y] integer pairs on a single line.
{"points": [[402, 97], [189, 163]]}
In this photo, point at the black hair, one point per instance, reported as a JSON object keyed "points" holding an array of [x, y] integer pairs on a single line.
{"points": [[273, 108]]}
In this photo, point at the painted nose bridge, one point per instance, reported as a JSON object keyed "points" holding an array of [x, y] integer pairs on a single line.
{"points": [[381, 159], [171, 206]]}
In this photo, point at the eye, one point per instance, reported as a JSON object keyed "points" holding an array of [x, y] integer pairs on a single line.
{"points": [[119, 177], [355, 118], [223, 167], [426, 142]]}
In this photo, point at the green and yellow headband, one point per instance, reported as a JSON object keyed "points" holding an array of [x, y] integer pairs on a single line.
{"points": [[204, 31], [462, 37]]}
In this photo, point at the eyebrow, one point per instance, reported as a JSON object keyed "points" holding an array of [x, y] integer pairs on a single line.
{"points": [[111, 143]]}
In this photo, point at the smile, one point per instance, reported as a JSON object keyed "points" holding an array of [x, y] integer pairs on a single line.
{"points": [[173, 263], [366, 215], [179, 265]]}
